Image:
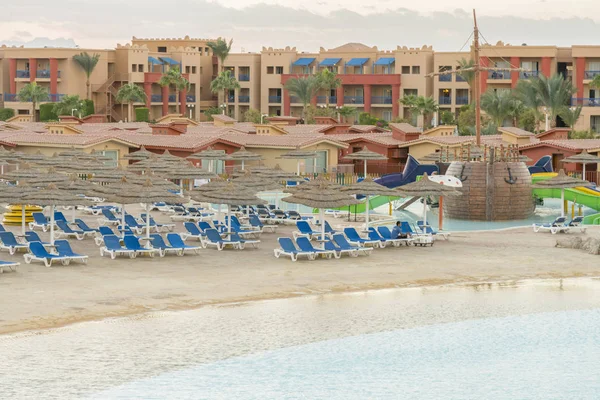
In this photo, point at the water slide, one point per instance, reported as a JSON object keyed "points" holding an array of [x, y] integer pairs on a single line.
{"points": [[587, 196], [412, 169]]}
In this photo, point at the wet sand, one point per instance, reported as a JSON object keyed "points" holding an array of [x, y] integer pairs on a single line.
{"points": [[37, 297]]}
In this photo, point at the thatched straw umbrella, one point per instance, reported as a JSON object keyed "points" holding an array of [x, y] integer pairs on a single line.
{"points": [[367, 187], [33, 157], [365, 154], [14, 195], [25, 172], [153, 163], [255, 184], [231, 195], [244, 155], [426, 187], [439, 156], [582, 158], [139, 155], [562, 182], [313, 183], [299, 154], [78, 187], [278, 175], [169, 158], [211, 155], [215, 184], [321, 197], [54, 161], [187, 170], [52, 196], [3, 164], [43, 179]]}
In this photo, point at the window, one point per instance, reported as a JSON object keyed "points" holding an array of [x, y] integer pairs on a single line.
{"points": [[269, 70], [387, 115], [162, 49], [409, 92], [113, 155], [279, 70], [320, 162], [406, 69], [206, 50], [187, 69], [193, 69], [140, 67], [416, 70], [133, 67]]}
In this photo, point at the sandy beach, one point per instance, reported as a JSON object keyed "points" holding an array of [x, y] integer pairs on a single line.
{"points": [[37, 297]]}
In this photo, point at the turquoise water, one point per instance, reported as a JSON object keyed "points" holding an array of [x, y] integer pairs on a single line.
{"points": [[540, 356], [535, 340]]}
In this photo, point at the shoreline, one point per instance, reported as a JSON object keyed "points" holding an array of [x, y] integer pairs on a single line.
{"points": [[30, 327]]}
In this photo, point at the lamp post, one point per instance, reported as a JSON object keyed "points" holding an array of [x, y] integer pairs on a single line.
{"points": [[339, 117], [262, 116], [73, 111], [191, 108], [223, 107]]}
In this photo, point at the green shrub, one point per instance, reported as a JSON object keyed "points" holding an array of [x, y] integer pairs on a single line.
{"points": [[6, 113], [447, 118], [252, 115], [88, 108], [47, 112], [142, 114], [209, 112]]}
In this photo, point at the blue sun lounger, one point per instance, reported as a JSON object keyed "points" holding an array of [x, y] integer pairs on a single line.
{"points": [[37, 252], [157, 242], [304, 230], [338, 251], [112, 246], [109, 218], [67, 231], [343, 244], [9, 242], [107, 231], [354, 238], [85, 227], [193, 231], [177, 242], [8, 264], [288, 249], [385, 233], [374, 235], [39, 221], [214, 239], [132, 242], [305, 245], [253, 242], [64, 250], [156, 226], [558, 225], [32, 236], [428, 229], [59, 216]]}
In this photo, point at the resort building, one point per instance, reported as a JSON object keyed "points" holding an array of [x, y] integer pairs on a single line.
{"points": [[372, 79]]}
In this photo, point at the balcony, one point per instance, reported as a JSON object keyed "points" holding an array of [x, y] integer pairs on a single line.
{"points": [[462, 100], [591, 74], [172, 98], [156, 98], [22, 73], [445, 100], [445, 78], [10, 97], [52, 98], [499, 75], [294, 99], [55, 97], [381, 100], [44, 74], [354, 100], [243, 78], [529, 74], [323, 99], [274, 99], [586, 102], [230, 99], [190, 98], [243, 99]]}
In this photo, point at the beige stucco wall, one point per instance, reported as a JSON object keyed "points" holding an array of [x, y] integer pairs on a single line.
{"points": [[270, 156], [49, 150]]}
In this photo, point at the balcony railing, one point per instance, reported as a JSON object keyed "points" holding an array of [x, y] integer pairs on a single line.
{"points": [[585, 102], [294, 99], [53, 97], [22, 73], [172, 98], [243, 78], [190, 98], [43, 73], [529, 74], [445, 100], [460, 79], [274, 99], [499, 75], [243, 99], [323, 99], [446, 78], [354, 100], [10, 97], [381, 100], [56, 97], [461, 100], [156, 98], [591, 74]]}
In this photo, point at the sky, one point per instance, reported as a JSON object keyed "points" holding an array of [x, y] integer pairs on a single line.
{"points": [[306, 24]]}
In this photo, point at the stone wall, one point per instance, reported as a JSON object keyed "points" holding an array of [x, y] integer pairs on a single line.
{"points": [[486, 194]]}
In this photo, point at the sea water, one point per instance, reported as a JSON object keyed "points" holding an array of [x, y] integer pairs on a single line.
{"points": [[538, 340]]}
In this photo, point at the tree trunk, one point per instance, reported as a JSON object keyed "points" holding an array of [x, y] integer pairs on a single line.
{"points": [[87, 92], [33, 117], [327, 98], [178, 105], [129, 111]]}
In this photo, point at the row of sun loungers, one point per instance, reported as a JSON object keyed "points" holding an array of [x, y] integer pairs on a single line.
{"points": [[302, 247], [560, 225]]}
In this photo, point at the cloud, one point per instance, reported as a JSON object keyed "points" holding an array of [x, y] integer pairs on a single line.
{"points": [[258, 25]]}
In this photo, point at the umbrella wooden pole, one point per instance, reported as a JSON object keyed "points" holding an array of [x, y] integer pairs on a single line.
{"points": [[315, 166], [298, 167], [441, 213], [181, 187], [242, 165], [123, 220], [322, 218], [228, 218], [23, 219], [424, 210], [147, 221], [562, 202], [583, 177], [365, 173], [52, 225], [368, 205]]}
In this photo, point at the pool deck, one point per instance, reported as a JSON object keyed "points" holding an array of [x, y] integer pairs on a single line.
{"points": [[37, 297]]}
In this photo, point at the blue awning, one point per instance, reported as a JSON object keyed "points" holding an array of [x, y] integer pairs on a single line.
{"points": [[153, 60], [385, 61], [329, 62], [303, 62], [168, 60], [357, 62]]}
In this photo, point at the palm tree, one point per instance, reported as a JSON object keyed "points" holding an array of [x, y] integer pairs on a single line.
{"points": [[570, 115], [596, 82], [527, 94], [552, 93], [410, 101], [421, 105], [87, 63], [499, 105], [35, 94], [328, 81], [305, 88], [174, 78], [130, 93], [345, 112], [225, 81], [467, 73], [221, 49]]}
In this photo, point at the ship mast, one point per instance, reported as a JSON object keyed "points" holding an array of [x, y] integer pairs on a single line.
{"points": [[477, 81]]}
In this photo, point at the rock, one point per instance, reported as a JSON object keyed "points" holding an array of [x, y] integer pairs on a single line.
{"points": [[570, 243]]}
